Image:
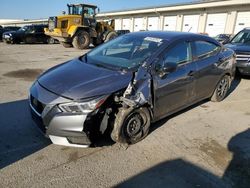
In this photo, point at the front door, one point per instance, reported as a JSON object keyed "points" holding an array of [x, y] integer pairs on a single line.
{"points": [[172, 91]]}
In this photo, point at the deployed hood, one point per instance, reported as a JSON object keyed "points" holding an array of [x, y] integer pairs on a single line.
{"points": [[239, 47], [77, 80]]}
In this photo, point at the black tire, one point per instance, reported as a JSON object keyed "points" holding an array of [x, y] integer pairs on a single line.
{"points": [[96, 42], [81, 40], [50, 40], [111, 36], [131, 125], [67, 45], [221, 89]]}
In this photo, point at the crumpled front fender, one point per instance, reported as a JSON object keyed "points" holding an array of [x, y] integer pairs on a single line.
{"points": [[138, 92]]}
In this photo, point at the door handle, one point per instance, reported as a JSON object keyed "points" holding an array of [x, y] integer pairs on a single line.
{"points": [[191, 73]]}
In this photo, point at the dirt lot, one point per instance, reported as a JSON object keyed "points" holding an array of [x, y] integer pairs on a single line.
{"points": [[207, 145]]}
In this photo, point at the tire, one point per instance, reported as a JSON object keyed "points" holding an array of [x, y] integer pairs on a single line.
{"points": [[221, 89], [96, 42], [131, 125], [50, 40], [81, 40], [111, 36], [67, 45]]}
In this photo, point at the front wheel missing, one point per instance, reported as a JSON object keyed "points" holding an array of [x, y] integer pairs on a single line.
{"points": [[131, 125]]}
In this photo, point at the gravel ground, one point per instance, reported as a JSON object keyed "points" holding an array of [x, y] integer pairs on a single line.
{"points": [[206, 145]]}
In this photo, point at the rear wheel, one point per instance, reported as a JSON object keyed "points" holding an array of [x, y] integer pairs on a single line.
{"points": [[131, 125], [67, 45], [111, 36], [221, 89], [81, 40], [96, 42], [51, 40]]}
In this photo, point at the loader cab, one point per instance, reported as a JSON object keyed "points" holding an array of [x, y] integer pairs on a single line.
{"points": [[87, 13]]}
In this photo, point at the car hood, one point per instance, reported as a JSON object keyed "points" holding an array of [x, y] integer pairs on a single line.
{"points": [[238, 47], [78, 80], [9, 32]]}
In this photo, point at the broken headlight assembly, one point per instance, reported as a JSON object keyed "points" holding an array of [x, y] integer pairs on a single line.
{"points": [[84, 107]]}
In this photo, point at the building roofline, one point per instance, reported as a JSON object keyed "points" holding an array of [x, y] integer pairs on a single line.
{"points": [[163, 5], [175, 7]]}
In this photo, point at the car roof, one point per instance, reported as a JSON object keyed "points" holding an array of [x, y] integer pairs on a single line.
{"points": [[173, 35], [247, 28]]}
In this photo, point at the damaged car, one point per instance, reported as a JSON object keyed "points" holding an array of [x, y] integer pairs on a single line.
{"points": [[122, 86]]}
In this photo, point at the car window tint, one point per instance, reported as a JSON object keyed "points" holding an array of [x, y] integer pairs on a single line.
{"points": [[178, 54], [204, 49], [39, 29]]}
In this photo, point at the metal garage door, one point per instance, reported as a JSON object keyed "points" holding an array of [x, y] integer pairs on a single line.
{"points": [[118, 24], [169, 23], [190, 23], [138, 24], [126, 23], [216, 24], [153, 23], [243, 20]]}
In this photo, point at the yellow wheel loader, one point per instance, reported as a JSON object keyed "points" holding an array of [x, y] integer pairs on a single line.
{"points": [[79, 27]]}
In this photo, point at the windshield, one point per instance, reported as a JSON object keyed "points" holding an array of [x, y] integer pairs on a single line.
{"points": [[75, 9], [124, 52], [242, 37], [89, 12]]}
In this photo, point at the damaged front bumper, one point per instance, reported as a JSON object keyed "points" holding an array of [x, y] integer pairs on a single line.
{"points": [[62, 128]]}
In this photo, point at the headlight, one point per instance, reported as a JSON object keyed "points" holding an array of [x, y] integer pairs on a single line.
{"points": [[83, 107]]}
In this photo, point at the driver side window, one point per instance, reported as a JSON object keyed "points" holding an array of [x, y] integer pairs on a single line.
{"points": [[178, 54]]}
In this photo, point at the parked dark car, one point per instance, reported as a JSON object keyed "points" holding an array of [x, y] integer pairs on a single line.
{"points": [[125, 84], [223, 38], [122, 32], [28, 34], [8, 28], [241, 45]]}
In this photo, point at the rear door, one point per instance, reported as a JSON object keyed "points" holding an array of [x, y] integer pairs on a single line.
{"points": [[39, 34], [172, 91], [206, 55]]}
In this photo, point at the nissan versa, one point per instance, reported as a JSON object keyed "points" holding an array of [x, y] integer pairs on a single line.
{"points": [[122, 86]]}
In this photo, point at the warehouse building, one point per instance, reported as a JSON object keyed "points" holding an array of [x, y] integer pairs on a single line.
{"points": [[211, 17]]}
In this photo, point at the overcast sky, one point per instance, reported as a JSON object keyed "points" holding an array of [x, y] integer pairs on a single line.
{"points": [[34, 9]]}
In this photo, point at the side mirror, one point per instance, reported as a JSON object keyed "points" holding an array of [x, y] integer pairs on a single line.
{"points": [[98, 10], [169, 67]]}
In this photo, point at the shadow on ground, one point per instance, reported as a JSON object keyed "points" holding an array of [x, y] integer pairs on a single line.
{"points": [[19, 136], [238, 171], [180, 173], [175, 173]]}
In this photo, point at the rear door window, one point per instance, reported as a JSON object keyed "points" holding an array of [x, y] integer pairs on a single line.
{"points": [[39, 29], [204, 49]]}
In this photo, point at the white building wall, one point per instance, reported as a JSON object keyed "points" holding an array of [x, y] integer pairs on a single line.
{"points": [[230, 14], [242, 21]]}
